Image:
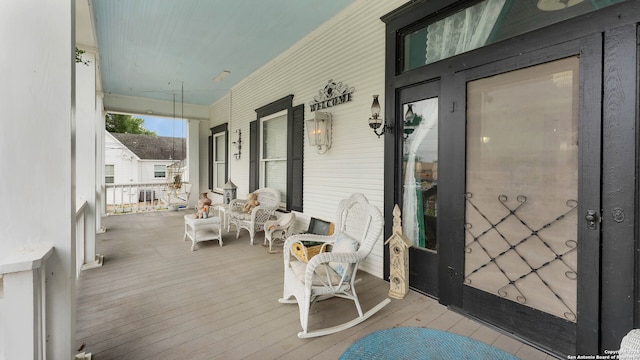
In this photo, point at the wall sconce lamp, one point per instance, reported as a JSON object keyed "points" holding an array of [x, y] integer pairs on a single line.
{"points": [[319, 131], [375, 121], [238, 144], [409, 126]]}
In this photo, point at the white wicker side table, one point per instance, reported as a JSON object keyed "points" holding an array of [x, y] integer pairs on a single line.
{"points": [[202, 229]]}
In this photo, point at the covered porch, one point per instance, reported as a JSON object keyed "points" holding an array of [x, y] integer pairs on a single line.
{"points": [[153, 298], [156, 299]]}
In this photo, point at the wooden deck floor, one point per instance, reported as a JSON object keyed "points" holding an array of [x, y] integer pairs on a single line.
{"points": [[156, 299]]}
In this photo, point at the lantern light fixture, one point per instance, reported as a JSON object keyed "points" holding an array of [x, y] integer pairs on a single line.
{"points": [[409, 127], [319, 131], [375, 121], [409, 115]]}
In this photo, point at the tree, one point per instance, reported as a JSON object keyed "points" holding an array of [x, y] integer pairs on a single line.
{"points": [[118, 123]]}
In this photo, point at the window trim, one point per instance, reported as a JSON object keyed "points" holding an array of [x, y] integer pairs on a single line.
{"points": [[217, 162], [262, 161], [156, 171], [220, 130], [113, 173], [295, 149]]}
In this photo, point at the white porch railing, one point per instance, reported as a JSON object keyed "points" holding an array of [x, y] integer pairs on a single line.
{"points": [[86, 257], [81, 236], [23, 304], [135, 197]]}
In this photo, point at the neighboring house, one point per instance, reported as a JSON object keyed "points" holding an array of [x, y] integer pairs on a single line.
{"points": [[141, 161], [136, 158]]}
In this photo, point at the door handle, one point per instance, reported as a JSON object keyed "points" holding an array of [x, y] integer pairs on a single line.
{"points": [[592, 219]]}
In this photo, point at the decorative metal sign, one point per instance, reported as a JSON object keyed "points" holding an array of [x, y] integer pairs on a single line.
{"points": [[333, 94], [618, 215]]}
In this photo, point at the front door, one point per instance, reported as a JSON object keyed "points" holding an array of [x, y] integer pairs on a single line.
{"points": [[499, 178], [419, 179], [531, 209]]}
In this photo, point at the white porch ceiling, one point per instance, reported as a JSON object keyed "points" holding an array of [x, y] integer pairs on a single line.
{"points": [[152, 48]]}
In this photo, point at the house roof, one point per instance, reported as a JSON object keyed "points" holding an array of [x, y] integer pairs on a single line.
{"points": [[151, 147]]}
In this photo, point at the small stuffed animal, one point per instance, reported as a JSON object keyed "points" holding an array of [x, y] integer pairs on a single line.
{"points": [[252, 202], [203, 206]]}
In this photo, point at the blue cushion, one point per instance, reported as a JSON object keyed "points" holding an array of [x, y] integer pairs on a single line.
{"points": [[343, 244]]}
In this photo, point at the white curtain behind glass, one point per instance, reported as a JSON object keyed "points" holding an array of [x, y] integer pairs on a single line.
{"points": [[464, 31], [428, 109]]}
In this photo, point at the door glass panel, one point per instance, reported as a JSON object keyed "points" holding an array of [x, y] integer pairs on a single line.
{"points": [[420, 172], [522, 186], [487, 22]]}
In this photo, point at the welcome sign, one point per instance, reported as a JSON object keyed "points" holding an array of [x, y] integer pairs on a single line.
{"points": [[332, 94]]}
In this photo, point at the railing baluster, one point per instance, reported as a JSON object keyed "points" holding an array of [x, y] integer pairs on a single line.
{"points": [[151, 194]]}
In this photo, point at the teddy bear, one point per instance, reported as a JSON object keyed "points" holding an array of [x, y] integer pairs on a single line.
{"points": [[203, 206], [252, 202]]}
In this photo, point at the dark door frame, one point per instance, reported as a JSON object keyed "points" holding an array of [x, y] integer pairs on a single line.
{"points": [[423, 264], [614, 28]]}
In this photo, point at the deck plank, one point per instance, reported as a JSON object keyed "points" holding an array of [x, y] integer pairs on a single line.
{"points": [[154, 298]]}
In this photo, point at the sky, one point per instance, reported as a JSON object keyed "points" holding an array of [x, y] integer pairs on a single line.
{"points": [[165, 126]]}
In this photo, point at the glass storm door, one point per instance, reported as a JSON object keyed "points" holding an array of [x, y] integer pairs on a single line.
{"points": [[530, 145], [419, 113], [522, 186]]}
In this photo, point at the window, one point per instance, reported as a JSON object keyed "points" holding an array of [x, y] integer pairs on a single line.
{"points": [[484, 23], [159, 171], [109, 174], [218, 157], [219, 160], [273, 153], [276, 150]]}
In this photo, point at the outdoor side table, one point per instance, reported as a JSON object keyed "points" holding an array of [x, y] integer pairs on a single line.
{"points": [[202, 229]]}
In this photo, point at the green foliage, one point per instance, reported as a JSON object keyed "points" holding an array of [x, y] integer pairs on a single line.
{"points": [[79, 57], [118, 123]]}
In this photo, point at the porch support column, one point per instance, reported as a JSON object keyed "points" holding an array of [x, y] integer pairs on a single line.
{"points": [[101, 207], [193, 159], [37, 154], [86, 143]]}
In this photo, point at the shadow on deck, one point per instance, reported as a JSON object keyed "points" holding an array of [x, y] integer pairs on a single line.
{"points": [[155, 299]]}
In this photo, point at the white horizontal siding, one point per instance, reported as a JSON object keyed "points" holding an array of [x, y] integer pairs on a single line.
{"points": [[147, 171], [124, 161], [349, 48]]}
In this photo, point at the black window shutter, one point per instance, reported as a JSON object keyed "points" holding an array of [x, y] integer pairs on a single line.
{"points": [[253, 156], [295, 158], [211, 162]]}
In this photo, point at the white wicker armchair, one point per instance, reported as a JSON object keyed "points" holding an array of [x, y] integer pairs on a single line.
{"points": [[269, 200], [328, 274]]}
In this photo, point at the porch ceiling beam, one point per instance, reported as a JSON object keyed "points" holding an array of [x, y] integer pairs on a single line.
{"points": [[144, 106]]}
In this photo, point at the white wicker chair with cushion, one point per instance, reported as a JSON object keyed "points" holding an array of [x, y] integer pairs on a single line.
{"points": [[328, 274], [269, 200]]}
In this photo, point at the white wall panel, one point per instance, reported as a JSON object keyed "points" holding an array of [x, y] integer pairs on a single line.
{"points": [[350, 49]]}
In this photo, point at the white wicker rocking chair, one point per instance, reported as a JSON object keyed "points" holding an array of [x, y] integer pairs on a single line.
{"points": [[332, 274], [254, 221]]}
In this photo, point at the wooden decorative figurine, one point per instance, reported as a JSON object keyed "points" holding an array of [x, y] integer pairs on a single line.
{"points": [[399, 245]]}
